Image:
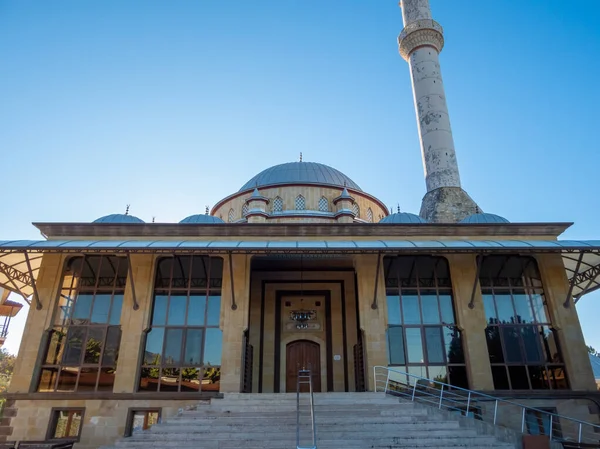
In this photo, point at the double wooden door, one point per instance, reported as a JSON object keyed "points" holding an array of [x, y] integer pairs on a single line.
{"points": [[303, 355]]}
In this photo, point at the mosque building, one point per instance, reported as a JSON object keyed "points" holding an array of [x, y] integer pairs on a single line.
{"points": [[300, 268]]}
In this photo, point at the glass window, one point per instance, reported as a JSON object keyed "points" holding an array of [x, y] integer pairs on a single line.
{"points": [[83, 346], [231, 216], [422, 338], [370, 215], [184, 340], [141, 419], [65, 424], [356, 210], [278, 204], [323, 204], [300, 203], [520, 340]]}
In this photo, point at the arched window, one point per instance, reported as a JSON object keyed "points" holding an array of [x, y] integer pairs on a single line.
{"points": [[278, 204], [369, 215], [231, 217], [183, 345], [423, 339], [523, 346], [300, 203], [83, 346], [356, 210], [323, 204], [244, 210]]}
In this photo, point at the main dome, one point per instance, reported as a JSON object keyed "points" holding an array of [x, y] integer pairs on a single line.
{"points": [[300, 173]]}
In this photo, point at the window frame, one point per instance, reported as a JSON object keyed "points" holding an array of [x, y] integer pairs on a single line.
{"points": [[505, 287], [402, 287], [277, 204], [131, 411], [189, 290], [52, 423], [300, 201], [68, 328]]}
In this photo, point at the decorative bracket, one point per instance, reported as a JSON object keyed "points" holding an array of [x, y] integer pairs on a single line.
{"points": [[567, 303], [17, 289], [136, 306], [374, 305], [233, 304], [476, 281], [38, 304]]}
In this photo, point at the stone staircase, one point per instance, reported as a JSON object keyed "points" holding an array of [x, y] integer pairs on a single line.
{"points": [[343, 421]]}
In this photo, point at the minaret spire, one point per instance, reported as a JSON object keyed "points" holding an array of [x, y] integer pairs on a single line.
{"points": [[420, 43]]}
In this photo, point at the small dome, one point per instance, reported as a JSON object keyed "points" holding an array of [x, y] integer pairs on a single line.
{"points": [[402, 218], [300, 173], [201, 219], [118, 219], [484, 219]]}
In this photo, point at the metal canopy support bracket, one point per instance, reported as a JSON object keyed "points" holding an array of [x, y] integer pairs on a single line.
{"points": [[136, 306], [476, 281], [374, 305], [15, 286], [38, 304], [567, 303], [233, 304]]}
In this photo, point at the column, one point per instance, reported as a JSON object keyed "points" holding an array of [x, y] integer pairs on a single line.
{"points": [[38, 321], [566, 322], [234, 322], [471, 322], [372, 321], [134, 322]]}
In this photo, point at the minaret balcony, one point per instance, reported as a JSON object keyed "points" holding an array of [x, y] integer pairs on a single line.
{"points": [[418, 34]]}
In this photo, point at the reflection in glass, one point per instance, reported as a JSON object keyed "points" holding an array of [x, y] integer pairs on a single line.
{"points": [[115, 311], [177, 310], [211, 379], [396, 346], [505, 308], [453, 345], [438, 373], [492, 335], [523, 308], [193, 347], [214, 311], [154, 346], [410, 309], [159, 314], [537, 300], [446, 309], [510, 334], [111, 347], [47, 380], [213, 347], [435, 346], [83, 307], [67, 378], [149, 379], [500, 378], [87, 379], [56, 347], [431, 313], [531, 343], [518, 377], [190, 379], [490, 309], [414, 345], [106, 379], [169, 380], [458, 376], [393, 310], [173, 343], [75, 337], [196, 310], [93, 345], [101, 309]]}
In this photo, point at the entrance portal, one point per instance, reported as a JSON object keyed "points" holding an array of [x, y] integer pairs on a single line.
{"points": [[303, 354]]}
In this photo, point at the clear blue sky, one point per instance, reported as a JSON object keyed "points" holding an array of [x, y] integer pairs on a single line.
{"points": [[171, 106]]}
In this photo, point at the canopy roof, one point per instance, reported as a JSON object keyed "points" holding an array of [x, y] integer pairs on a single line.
{"points": [[20, 259]]}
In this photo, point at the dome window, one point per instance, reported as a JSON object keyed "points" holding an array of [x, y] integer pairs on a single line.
{"points": [[356, 210], [300, 203], [231, 217], [278, 204], [244, 210], [369, 215], [323, 204]]}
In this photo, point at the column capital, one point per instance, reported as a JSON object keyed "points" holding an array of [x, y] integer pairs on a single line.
{"points": [[423, 32]]}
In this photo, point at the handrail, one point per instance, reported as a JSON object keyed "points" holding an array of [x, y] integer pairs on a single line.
{"points": [[486, 407], [305, 377]]}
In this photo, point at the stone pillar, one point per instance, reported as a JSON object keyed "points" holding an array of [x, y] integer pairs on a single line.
{"points": [[38, 321], [420, 43], [566, 322], [234, 322], [471, 322], [372, 321], [134, 322], [257, 208]]}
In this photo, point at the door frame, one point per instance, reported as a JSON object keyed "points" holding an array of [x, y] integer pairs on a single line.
{"points": [[326, 294]]}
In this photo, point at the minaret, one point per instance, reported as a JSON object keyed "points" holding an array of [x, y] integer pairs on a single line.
{"points": [[420, 44]]}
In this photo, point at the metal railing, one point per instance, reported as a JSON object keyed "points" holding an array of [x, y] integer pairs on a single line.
{"points": [[486, 408], [305, 378]]}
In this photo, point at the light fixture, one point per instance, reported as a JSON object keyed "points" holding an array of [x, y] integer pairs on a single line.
{"points": [[302, 316]]}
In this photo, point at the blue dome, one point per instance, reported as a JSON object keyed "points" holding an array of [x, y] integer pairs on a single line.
{"points": [[403, 218], [202, 219], [484, 219], [118, 218], [300, 173]]}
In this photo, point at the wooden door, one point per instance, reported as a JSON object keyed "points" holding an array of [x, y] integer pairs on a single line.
{"points": [[303, 354]]}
